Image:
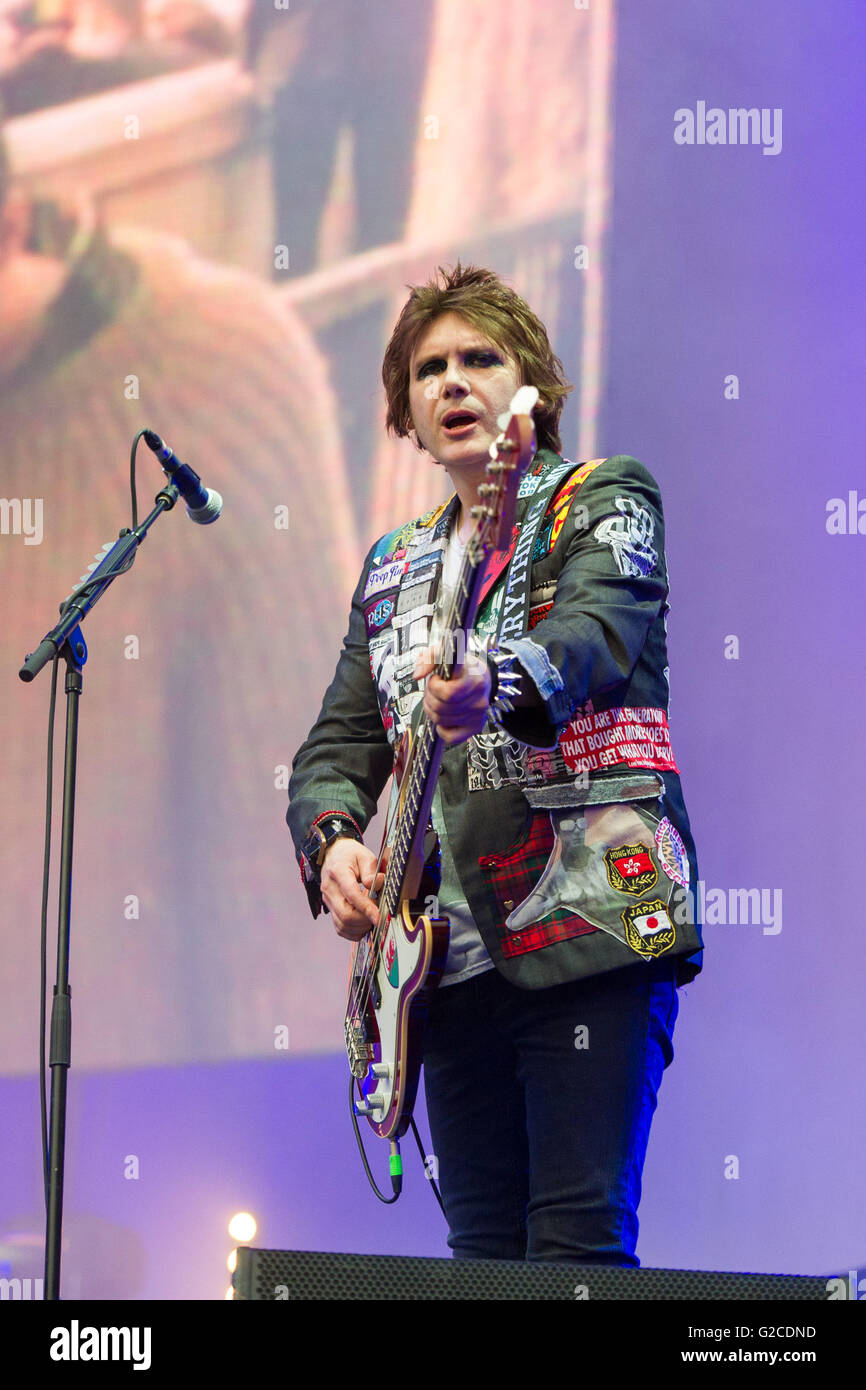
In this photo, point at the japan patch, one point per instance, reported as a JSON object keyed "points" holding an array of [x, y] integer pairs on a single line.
{"points": [[629, 536], [672, 853], [648, 928], [630, 869]]}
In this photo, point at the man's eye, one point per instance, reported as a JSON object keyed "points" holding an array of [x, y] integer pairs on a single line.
{"points": [[428, 368]]}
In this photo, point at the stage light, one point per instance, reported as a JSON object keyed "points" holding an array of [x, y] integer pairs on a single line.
{"points": [[242, 1226]]}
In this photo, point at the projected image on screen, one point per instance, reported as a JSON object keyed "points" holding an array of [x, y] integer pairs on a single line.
{"points": [[210, 212]]}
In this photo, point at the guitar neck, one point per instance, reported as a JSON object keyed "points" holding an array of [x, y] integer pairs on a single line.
{"points": [[494, 517], [407, 857]]}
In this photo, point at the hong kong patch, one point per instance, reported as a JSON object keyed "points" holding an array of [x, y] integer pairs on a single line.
{"points": [[649, 929], [630, 869], [378, 615], [672, 853]]}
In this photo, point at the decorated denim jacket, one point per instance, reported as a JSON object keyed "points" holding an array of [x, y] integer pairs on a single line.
{"points": [[567, 823]]}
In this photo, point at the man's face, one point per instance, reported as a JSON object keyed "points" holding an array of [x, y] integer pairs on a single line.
{"points": [[459, 384]]}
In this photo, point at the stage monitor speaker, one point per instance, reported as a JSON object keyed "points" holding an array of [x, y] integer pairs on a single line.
{"points": [[274, 1275]]}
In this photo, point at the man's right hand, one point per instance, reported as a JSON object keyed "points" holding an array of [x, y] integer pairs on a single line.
{"points": [[346, 875]]}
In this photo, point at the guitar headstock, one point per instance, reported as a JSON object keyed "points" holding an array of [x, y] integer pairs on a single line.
{"points": [[510, 455]]}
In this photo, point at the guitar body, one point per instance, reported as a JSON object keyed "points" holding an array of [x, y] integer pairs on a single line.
{"points": [[385, 1021]]}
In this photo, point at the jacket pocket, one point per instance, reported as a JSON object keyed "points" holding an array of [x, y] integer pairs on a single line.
{"points": [[512, 877]]}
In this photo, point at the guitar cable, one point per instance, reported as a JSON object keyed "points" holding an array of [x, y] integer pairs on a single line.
{"points": [[395, 1162]]}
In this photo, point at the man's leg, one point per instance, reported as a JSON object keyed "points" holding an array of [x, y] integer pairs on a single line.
{"points": [[477, 1122], [591, 1056]]}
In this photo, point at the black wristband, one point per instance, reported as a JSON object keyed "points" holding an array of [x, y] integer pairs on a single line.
{"points": [[330, 826]]}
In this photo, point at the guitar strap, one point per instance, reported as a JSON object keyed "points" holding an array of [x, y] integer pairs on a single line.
{"points": [[514, 606]]}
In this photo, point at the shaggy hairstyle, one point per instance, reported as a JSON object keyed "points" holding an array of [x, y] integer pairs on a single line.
{"points": [[480, 297]]}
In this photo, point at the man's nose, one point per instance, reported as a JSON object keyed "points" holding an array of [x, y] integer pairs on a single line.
{"points": [[455, 382]]}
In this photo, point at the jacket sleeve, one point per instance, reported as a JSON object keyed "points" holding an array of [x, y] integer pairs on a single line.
{"points": [[346, 759], [612, 586]]}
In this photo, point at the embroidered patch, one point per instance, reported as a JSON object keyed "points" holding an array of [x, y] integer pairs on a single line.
{"points": [[401, 538], [378, 615], [630, 537], [637, 736], [530, 483], [392, 546], [413, 602], [386, 577], [544, 542], [427, 557], [648, 928], [536, 614], [494, 759], [672, 853], [630, 869]]}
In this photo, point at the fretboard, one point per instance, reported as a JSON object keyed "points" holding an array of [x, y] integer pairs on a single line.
{"points": [[427, 749]]}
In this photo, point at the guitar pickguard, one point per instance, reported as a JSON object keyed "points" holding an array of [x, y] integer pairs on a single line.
{"points": [[384, 1021]]}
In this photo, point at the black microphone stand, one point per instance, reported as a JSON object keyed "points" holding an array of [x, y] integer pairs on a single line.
{"points": [[66, 640]]}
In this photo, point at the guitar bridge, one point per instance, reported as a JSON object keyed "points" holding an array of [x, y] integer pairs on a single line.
{"points": [[359, 1050]]}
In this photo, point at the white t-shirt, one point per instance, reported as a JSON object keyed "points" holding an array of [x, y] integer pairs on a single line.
{"points": [[467, 954]]}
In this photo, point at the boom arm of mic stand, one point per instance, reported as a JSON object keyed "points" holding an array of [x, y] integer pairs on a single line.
{"points": [[119, 558]]}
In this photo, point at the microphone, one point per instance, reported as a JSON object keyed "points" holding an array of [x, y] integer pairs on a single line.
{"points": [[203, 504]]}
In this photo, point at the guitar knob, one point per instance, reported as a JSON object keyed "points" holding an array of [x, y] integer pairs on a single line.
{"points": [[363, 1107], [380, 1070]]}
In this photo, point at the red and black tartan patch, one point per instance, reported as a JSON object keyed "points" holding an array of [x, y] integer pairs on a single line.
{"points": [[512, 877]]}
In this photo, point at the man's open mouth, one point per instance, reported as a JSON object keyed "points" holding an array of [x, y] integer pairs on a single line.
{"points": [[458, 420]]}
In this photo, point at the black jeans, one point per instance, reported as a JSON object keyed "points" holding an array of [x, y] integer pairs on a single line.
{"points": [[540, 1104]]}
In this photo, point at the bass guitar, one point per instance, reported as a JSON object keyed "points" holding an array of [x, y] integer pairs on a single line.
{"points": [[397, 965]]}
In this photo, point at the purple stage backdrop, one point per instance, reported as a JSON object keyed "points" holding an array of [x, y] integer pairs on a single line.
{"points": [[209, 214]]}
